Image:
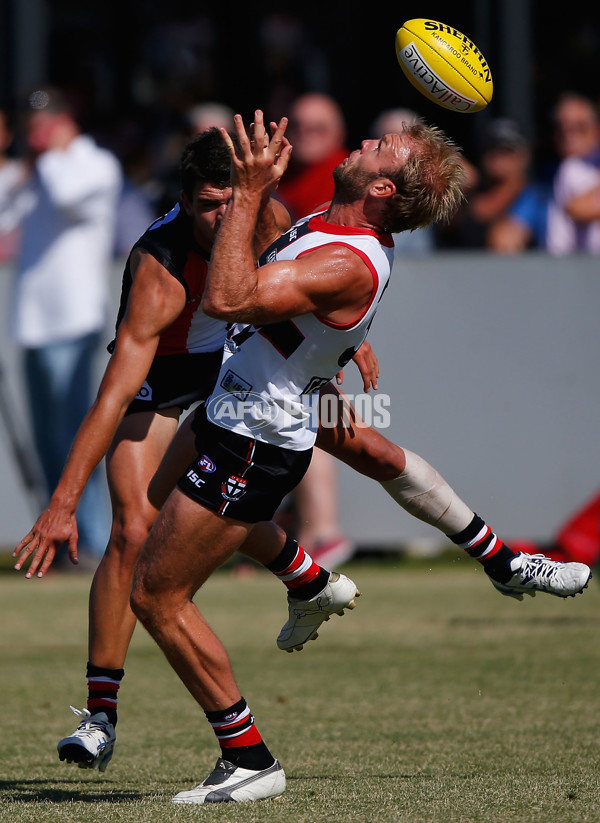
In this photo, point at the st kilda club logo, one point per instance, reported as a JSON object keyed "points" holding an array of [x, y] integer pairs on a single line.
{"points": [[234, 488]]}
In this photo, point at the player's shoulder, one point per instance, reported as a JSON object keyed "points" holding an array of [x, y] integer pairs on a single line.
{"points": [[154, 288], [170, 224], [167, 237]]}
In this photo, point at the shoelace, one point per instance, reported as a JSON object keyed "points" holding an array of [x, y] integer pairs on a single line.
{"points": [[90, 728], [87, 725], [539, 569]]}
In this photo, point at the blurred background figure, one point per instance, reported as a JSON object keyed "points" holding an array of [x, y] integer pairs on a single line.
{"points": [[138, 203], [12, 175], [291, 59], [61, 288], [501, 176], [575, 129], [196, 118], [208, 115], [576, 124], [391, 120], [574, 210], [317, 131], [420, 241]]}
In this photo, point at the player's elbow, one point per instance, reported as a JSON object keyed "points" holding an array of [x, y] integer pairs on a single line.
{"points": [[217, 308], [225, 309]]}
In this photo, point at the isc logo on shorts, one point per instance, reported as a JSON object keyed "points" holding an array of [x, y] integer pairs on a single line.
{"points": [[195, 478], [233, 488]]}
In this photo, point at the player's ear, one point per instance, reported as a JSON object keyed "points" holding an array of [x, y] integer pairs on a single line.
{"points": [[382, 187], [186, 203]]}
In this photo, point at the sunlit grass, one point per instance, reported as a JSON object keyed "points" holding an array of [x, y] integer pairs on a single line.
{"points": [[435, 700]]}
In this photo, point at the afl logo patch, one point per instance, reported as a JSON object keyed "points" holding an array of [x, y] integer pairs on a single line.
{"points": [[233, 488], [205, 464]]}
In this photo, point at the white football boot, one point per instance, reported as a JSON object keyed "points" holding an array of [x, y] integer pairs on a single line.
{"points": [[538, 573], [232, 784], [91, 745], [305, 616]]}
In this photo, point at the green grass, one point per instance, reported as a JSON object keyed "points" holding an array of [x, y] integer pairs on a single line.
{"points": [[436, 700]]}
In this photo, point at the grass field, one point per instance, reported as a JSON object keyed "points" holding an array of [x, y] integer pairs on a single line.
{"points": [[436, 700]]}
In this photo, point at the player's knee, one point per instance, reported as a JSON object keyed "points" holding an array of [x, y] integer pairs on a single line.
{"points": [[128, 535], [152, 600]]}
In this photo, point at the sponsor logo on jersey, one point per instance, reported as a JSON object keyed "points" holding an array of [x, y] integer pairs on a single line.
{"points": [[235, 385], [234, 488], [286, 239], [205, 464]]}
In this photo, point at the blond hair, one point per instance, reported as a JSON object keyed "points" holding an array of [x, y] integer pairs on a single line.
{"points": [[430, 184]]}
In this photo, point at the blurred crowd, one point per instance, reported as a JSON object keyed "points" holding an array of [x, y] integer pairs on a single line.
{"points": [[515, 201]]}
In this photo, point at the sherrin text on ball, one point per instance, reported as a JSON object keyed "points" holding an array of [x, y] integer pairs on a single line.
{"points": [[444, 65]]}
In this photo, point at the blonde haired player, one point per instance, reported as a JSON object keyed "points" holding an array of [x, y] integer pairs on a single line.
{"points": [[295, 317]]}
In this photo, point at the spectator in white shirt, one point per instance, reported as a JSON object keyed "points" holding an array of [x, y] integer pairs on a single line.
{"points": [[12, 176], [61, 287]]}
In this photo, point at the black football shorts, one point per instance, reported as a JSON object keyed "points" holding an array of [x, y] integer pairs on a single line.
{"points": [[237, 476], [177, 380]]}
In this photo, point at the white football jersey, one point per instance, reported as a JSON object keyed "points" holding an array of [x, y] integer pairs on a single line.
{"points": [[271, 374]]}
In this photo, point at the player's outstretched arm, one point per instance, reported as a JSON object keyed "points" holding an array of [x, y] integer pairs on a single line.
{"points": [[156, 299]]}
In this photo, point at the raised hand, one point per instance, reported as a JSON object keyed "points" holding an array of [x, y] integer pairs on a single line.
{"points": [[259, 160]]}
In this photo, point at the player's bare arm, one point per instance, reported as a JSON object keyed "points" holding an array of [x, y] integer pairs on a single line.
{"points": [[333, 280], [156, 299], [273, 221]]}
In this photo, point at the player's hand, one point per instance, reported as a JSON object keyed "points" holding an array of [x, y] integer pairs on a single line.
{"points": [[52, 528], [259, 160], [368, 366]]}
